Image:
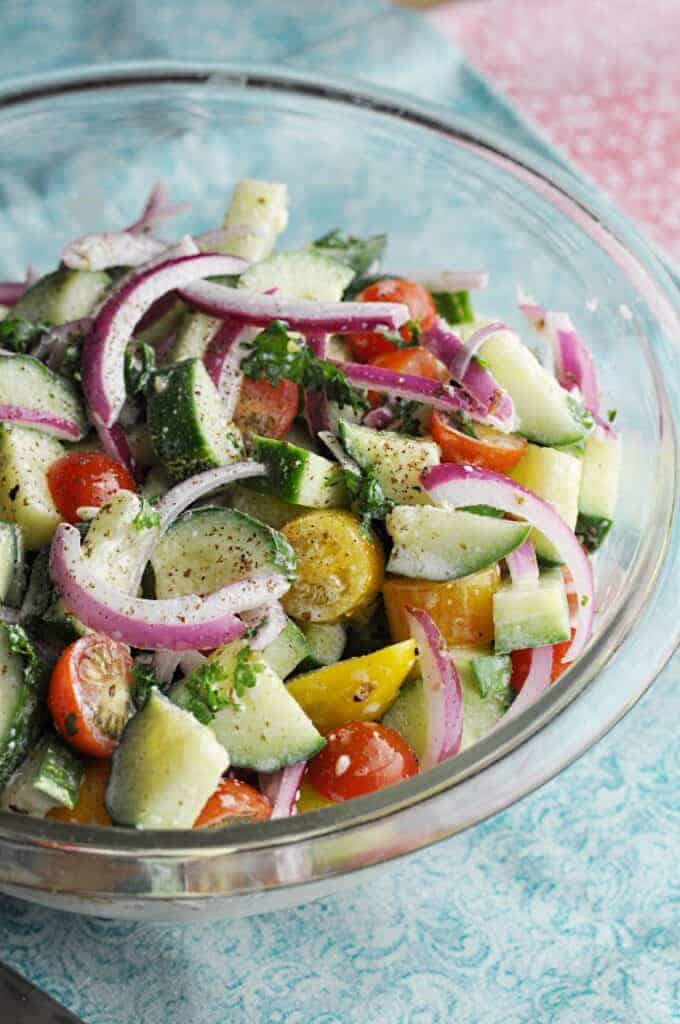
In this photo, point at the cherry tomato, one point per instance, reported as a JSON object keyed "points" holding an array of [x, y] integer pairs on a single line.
{"points": [[365, 347], [86, 478], [89, 695], [417, 361], [360, 757], [233, 799], [521, 662], [491, 449], [266, 409]]}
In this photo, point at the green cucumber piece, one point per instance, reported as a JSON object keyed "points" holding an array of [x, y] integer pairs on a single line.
{"points": [[187, 420], [12, 573], [51, 776], [266, 507], [326, 641], [166, 768], [23, 684], [194, 334], [63, 295], [547, 413], [531, 614], [492, 673], [297, 475], [455, 307], [25, 498], [302, 274], [25, 381], [398, 462], [209, 547], [164, 326], [592, 531], [266, 729], [554, 476], [284, 654], [258, 212], [600, 477], [437, 544]]}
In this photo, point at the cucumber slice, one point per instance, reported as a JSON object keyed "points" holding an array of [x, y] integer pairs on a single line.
{"points": [[326, 641], [265, 507], [23, 682], [267, 729], [63, 295], [25, 498], [297, 475], [492, 673], [547, 413], [205, 549], [187, 421], [556, 477], [258, 212], [304, 274], [165, 769], [284, 654], [27, 382], [397, 461], [164, 326], [437, 544], [11, 564], [51, 776], [600, 476], [531, 614], [194, 334]]}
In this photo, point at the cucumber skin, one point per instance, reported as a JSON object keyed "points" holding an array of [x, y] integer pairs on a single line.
{"points": [[287, 469], [175, 420], [592, 531], [29, 718], [52, 297], [60, 773]]}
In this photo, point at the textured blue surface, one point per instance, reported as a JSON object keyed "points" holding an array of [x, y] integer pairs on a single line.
{"points": [[565, 908]]}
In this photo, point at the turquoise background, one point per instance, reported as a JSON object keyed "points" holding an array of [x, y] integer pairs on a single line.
{"points": [[563, 909]]}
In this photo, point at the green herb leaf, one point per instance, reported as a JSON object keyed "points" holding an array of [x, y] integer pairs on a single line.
{"points": [[358, 253], [245, 671], [204, 695], [408, 419], [592, 531], [395, 337], [455, 307], [140, 363], [148, 516], [273, 355], [19, 334], [144, 680], [580, 413], [612, 414], [368, 498], [70, 362], [35, 669]]}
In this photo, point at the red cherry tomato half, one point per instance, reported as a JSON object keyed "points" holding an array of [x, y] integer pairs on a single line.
{"points": [[360, 757], [366, 347], [521, 662], [233, 799], [86, 479], [266, 409], [89, 695], [491, 449]]}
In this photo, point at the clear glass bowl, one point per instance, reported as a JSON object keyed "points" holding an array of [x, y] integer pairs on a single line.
{"points": [[78, 153]]}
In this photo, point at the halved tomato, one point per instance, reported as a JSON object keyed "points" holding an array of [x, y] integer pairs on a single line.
{"points": [[490, 449]]}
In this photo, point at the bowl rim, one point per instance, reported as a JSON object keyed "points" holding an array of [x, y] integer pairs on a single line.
{"points": [[613, 230]]}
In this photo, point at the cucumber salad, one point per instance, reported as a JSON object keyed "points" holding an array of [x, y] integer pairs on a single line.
{"points": [[278, 528]]}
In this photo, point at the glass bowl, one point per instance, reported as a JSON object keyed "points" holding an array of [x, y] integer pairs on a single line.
{"points": [[78, 153]]}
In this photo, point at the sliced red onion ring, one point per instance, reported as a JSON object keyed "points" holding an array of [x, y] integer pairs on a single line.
{"points": [[573, 363], [408, 385], [111, 249], [104, 348], [282, 787], [267, 622], [164, 665], [380, 418], [115, 443], [39, 419], [157, 209], [259, 309], [177, 624], [523, 564], [442, 689], [460, 486], [449, 280], [535, 684], [223, 361], [472, 346], [185, 494]]}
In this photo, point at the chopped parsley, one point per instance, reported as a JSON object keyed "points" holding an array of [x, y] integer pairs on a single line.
{"points": [[580, 413], [455, 307], [245, 671], [205, 693], [407, 419], [395, 336], [274, 356], [35, 669], [70, 362], [358, 253], [143, 681], [140, 363], [148, 516], [612, 414], [367, 495], [19, 334]]}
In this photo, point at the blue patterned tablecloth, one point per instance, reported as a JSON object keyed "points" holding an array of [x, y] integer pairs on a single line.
{"points": [[563, 909]]}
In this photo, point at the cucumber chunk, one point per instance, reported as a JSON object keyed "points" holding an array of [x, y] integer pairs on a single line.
{"points": [[63, 295], [397, 461], [27, 382], [23, 682], [187, 420], [556, 477], [326, 641], [209, 547], [547, 413], [437, 544], [297, 475], [304, 274], [265, 507], [51, 776], [284, 654], [12, 572], [492, 673], [531, 614], [600, 476], [25, 498], [258, 212], [266, 729], [163, 327], [166, 768], [194, 334]]}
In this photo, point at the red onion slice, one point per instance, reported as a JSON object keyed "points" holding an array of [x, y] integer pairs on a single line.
{"points": [[156, 210], [111, 249], [177, 624], [267, 621], [115, 443], [523, 564], [410, 386], [472, 346], [380, 418], [281, 788], [104, 348], [259, 309], [195, 487], [40, 419], [460, 486], [573, 363], [535, 684], [442, 690], [222, 360]]}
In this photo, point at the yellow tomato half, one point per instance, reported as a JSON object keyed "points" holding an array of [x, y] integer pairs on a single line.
{"points": [[89, 808]]}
